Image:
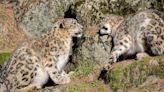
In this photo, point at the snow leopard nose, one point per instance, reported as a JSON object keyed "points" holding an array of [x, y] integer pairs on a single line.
{"points": [[78, 33], [105, 28]]}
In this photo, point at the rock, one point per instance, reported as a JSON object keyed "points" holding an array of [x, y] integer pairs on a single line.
{"points": [[153, 63], [141, 56], [52, 89], [10, 36], [90, 12], [37, 16], [92, 49]]}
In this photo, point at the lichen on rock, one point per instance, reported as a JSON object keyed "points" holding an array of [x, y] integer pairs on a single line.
{"points": [[35, 17], [93, 49], [10, 36], [90, 12]]}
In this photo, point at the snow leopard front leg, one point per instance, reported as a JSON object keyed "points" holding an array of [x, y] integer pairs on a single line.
{"points": [[120, 47], [57, 76]]}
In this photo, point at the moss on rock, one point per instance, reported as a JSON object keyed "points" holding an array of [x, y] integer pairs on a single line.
{"points": [[94, 86], [123, 78]]}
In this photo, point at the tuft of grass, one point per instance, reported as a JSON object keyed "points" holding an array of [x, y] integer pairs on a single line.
{"points": [[4, 57], [114, 78], [84, 69]]}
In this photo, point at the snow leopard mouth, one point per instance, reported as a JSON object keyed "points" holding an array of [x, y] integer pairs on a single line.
{"points": [[78, 34]]}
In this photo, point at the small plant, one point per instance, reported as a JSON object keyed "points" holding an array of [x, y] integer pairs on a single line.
{"points": [[84, 69], [4, 57]]}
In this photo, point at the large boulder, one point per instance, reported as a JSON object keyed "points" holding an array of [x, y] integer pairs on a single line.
{"points": [[92, 49], [90, 12], [10, 36], [37, 16]]}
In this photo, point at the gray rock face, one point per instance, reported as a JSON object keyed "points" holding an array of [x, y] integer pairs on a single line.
{"points": [[37, 16], [90, 12], [10, 36], [93, 49]]}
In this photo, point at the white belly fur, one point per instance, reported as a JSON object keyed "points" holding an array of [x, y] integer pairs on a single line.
{"points": [[41, 77], [62, 61]]}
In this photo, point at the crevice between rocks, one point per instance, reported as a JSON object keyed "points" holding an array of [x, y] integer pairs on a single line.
{"points": [[70, 13]]}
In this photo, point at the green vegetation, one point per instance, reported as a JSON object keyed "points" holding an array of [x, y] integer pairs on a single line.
{"points": [[114, 78], [133, 75], [94, 86], [4, 57], [78, 3], [84, 69], [4, 17], [159, 5], [103, 8]]}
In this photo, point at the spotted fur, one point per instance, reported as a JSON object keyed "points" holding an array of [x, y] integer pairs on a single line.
{"points": [[138, 33], [38, 59]]}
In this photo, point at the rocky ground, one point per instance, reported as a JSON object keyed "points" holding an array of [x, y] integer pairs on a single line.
{"points": [[22, 19], [144, 75]]}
